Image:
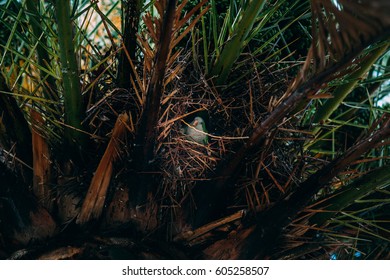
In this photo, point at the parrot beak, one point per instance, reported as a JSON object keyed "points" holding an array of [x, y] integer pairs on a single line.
{"points": [[195, 123]]}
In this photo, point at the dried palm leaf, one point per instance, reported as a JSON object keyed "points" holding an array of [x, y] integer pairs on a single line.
{"points": [[340, 31], [94, 201], [41, 162]]}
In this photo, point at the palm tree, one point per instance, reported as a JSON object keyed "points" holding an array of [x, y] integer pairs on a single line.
{"points": [[95, 160]]}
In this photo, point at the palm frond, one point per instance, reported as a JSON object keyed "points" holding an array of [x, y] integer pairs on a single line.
{"points": [[97, 192], [41, 162], [340, 31]]}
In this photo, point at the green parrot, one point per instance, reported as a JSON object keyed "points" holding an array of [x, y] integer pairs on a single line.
{"points": [[197, 131]]}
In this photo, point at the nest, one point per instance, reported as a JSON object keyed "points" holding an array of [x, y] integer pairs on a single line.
{"points": [[230, 117]]}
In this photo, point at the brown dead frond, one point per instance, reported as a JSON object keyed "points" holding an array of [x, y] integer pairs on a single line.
{"points": [[151, 37], [341, 28], [41, 162], [94, 201]]}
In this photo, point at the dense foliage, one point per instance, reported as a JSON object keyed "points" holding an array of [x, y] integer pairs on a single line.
{"points": [[96, 101]]}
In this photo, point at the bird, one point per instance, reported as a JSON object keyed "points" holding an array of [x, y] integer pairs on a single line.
{"points": [[196, 131]]}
